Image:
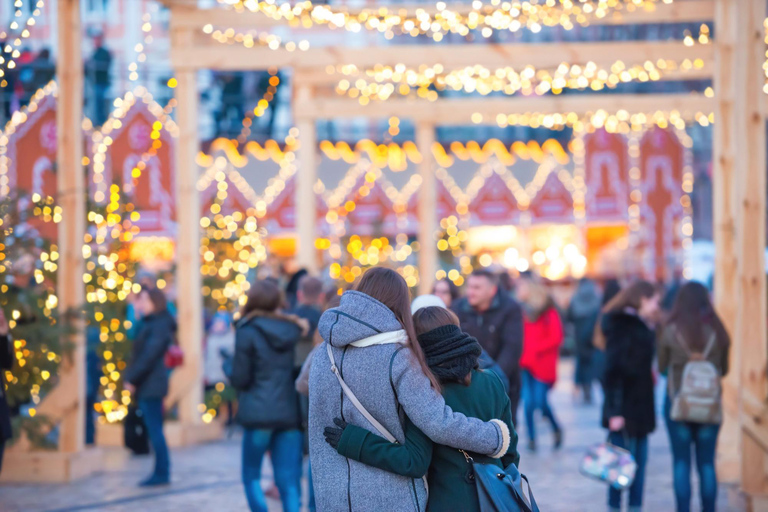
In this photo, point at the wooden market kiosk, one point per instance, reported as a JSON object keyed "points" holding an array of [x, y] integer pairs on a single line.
{"points": [[734, 62]]}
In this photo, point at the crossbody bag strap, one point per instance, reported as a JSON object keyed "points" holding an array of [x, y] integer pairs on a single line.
{"points": [[352, 398], [710, 345]]}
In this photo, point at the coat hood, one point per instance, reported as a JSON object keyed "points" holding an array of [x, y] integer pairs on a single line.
{"points": [[358, 316], [282, 332], [586, 302]]}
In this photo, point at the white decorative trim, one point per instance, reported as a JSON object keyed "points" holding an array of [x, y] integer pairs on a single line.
{"points": [[505, 439]]}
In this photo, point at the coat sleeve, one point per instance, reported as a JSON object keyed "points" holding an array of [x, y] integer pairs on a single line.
{"points": [[6, 353], [554, 331], [242, 363], [302, 381], [427, 410], [154, 347], [512, 456], [616, 369], [410, 459], [511, 341]]}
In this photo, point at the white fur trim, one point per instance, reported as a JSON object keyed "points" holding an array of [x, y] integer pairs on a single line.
{"points": [[383, 339], [505, 439]]}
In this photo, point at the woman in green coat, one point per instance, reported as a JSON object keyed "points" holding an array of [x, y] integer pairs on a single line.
{"points": [[452, 356]]}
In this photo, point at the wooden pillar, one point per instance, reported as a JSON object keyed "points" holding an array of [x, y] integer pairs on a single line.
{"points": [[428, 255], [188, 380], [751, 331], [306, 207], [726, 147], [71, 198]]}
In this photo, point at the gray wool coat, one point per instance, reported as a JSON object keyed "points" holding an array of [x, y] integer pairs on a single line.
{"points": [[390, 384]]}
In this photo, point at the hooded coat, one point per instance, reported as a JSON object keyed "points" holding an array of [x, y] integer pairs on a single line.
{"points": [[389, 383], [147, 370], [263, 371]]}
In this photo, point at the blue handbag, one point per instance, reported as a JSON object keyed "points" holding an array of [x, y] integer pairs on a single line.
{"points": [[501, 490]]}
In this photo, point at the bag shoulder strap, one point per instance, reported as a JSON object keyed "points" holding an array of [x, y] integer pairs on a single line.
{"points": [[352, 398], [710, 345]]}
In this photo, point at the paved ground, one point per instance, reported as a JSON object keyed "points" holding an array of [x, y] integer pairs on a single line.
{"points": [[207, 477]]}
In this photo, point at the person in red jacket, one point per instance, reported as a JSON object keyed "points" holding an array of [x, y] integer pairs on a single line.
{"points": [[541, 346]]}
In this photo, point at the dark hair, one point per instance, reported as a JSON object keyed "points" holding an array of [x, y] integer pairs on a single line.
{"points": [[389, 288], [490, 276], [610, 290], [452, 288], [691, 312], [311, 287], [432, 317], [264, 295], [631, 296], [158, 299]]}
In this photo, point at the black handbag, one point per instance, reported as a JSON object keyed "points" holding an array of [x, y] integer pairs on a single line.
{"points": [[501, 490]]}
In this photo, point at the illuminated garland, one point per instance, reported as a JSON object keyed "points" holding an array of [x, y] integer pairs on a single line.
{"points": [[260, 108], [253, 38], [508, 16], [13, 47], [140, 48]]}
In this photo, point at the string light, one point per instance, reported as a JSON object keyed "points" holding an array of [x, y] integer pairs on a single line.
{"points": [[11, 51], [261, 106], [254, 38]]}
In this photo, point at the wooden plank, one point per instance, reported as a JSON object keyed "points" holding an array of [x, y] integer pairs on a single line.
{"points": [[751, 328], [206, 53], [187, 382], [428, 254], [726, 258], [460, 111], [677, 12], [72, 199], [306, 207]]}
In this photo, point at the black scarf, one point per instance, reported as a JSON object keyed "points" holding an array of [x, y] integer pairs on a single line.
{"points": [[451, 354]]}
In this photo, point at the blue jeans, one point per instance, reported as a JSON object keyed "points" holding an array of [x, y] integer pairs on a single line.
{"points": [[638, 447], [152, 409], [535, 397], [703, 438], [285, 447]]}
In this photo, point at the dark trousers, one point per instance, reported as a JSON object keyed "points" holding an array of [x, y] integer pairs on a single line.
{"points": [[2, 450], [152, 409], [535, 398], [638, 447], [703, 439]]}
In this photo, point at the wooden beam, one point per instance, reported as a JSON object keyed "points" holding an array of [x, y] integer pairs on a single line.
{"points": [[677, 12], [72, 199], [205, 53], [428, 254], [751, 329], [187, 382], [306, 207], [726, 145], [460, 111]]}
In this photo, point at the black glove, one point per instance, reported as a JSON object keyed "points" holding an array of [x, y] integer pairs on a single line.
{"points": [[333, 434]]}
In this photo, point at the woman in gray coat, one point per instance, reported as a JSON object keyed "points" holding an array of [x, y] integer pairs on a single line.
{"points": [[374, 346]]}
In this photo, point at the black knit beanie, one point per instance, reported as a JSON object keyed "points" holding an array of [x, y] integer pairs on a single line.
{"points": [[451, 354]]}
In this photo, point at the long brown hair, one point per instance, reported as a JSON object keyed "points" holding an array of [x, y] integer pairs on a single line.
{"points": [[432, 317], [264, 295], [631, 296], [389, 288], [692, 311]]}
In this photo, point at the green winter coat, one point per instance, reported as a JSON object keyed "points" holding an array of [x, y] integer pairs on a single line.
{"points": [[447, 470]]}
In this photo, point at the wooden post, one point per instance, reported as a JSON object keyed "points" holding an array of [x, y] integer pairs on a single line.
{"points": [[306, 208], [726, 261], [428, 256], [71, 198], [189, 380], [751, 331]]}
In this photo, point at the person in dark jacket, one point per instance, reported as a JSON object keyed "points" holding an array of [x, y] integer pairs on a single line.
{"points": [[582, 315], [6, 363], [453, 356], [309, 306], [147, 376], [629, 411], [496, 320], [268, 410]]}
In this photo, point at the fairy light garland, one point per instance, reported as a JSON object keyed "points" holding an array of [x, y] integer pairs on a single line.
{"points": [[253, 38], [11, 50], [487, 18], [261, 107]]}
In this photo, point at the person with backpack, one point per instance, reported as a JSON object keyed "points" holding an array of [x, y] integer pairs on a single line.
{"points": [[453, 356], [268, 405], [693, 354], [629, 412], [370, 371]]}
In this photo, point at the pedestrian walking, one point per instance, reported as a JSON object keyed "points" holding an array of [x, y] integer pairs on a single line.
{"points": [[309, 306], [541, 350], [370, 341], [268, 406], [146, 376], [491, 316], [692, 333], [629, 411], [452, 355], [582, 314], [7, 358]]}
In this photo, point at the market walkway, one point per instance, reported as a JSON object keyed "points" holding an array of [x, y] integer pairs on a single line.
{"points": [[207, 477]]}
